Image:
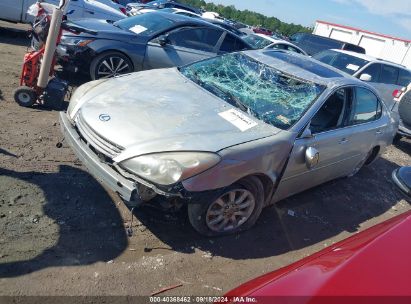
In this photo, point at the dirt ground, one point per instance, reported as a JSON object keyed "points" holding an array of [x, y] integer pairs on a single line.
{"points": [[62, 233]]}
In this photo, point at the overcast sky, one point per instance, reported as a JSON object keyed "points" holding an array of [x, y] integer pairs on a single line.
{"points": [[391, 17]]}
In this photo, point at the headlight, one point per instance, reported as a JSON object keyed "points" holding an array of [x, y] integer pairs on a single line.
{"points": [[171, 167], [75, 41], [75, 103]]}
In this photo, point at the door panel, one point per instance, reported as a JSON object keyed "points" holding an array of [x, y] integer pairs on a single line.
{"points": [[184, 45], [339, 154], [11, 9], [158, 56]]}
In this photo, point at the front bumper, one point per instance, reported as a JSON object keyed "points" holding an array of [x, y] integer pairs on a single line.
{"points": [[100, 170], [75, 59], [131, 190]]}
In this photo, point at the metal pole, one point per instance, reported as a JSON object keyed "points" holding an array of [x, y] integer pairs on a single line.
{"points": [[50, 47]]}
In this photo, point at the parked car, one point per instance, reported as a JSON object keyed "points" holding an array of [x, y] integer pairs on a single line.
{"points": [[385, 76], [134, 8], [148, 41], [313, 44], [16, 11], [228, 135], [359, 267], [263, 31], [403, 106], [260, 41]]}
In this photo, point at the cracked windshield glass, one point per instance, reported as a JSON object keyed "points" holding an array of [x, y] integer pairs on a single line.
{"points": [[261, 91]]}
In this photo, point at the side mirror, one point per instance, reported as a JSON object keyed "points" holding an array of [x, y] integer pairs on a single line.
{"points": [[163, 40], [365, 77], [307, 133], [312, 157]]}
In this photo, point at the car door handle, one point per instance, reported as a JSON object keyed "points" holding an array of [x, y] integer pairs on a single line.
{"points": [[378, 132], [343, 141]]}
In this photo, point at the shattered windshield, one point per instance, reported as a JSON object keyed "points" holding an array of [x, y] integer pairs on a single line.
{"points": [[257, 42], [261, 91]]}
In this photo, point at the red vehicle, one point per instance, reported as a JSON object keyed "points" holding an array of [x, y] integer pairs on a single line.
{"points": [[264, 31], [372, 263]]}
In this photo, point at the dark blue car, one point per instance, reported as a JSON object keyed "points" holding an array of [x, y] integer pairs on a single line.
{"points": [[153, 40]]}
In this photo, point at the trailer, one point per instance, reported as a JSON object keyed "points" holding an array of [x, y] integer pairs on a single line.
{"points": [[381, 46]]}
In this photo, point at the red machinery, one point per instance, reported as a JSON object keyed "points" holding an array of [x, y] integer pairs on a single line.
{"points": [[37, 84]]}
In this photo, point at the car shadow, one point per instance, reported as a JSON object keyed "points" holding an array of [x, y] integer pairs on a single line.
{"points": [[308, 218], [78, 219], [404, 145], [14, 36]]}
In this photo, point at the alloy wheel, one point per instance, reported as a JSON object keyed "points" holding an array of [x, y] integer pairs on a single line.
{"points": [[112, 66], [230, 210]]}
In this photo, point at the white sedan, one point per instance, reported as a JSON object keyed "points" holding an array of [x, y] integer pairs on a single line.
{"points": [[260, 41]]}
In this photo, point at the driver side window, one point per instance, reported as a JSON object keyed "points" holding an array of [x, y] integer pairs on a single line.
{"points": [[333, 112]]}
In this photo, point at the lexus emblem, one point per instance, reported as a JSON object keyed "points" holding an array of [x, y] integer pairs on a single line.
{"points": [[104, 117]]}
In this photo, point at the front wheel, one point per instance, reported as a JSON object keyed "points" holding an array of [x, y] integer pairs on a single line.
{"points": [[236, 209], [25, 96], [110, 64]]}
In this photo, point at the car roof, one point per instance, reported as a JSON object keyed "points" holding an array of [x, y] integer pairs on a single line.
{"points": [[369, 58], [304, 67]]}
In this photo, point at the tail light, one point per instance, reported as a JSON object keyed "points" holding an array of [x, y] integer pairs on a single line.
{"points": [[123, 10], [396, 93]]}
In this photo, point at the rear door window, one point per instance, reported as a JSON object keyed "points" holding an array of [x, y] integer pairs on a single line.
{"points": [[404, 78], [202, 39], [389, 74], [374, 70], [366, 107]]}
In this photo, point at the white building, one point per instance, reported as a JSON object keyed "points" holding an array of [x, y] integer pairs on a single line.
{"points": [[378, 45]]}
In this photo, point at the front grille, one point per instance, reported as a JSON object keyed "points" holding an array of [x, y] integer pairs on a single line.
{"points": [[96, 141]]}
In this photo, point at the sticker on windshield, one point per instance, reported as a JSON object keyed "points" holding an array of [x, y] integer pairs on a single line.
{"points": [[138, 29], [238, 119], [352, 67]]}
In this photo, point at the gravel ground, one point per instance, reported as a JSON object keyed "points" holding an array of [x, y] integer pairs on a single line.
{"points": [[62, 233]]}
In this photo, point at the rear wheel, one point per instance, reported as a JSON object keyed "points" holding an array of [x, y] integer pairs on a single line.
{"points": [[110, 64], [25, 96], [236, 209]]}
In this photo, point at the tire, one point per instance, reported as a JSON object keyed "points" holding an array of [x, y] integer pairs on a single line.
{"points": [[202, 215], [25, 96], [110, 64], [404, 108]]}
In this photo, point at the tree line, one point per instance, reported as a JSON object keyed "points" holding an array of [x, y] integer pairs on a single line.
{"points": [[250, 18]]}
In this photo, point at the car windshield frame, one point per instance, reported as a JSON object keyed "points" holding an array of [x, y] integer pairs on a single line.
{"points": [[332, 58], [145, 24], [262, 91]]}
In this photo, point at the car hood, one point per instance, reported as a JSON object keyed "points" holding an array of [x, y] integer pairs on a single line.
{"points": [[161, 110], [102, 29], [358, 266]]}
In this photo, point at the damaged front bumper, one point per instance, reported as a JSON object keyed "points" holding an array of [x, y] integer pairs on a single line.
{"points": [[130, 189]]}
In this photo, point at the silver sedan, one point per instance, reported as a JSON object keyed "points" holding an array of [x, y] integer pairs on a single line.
{"points": [[228, 135]]}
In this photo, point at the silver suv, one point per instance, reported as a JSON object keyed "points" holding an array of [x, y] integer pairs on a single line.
{"points": [[387, 77]]}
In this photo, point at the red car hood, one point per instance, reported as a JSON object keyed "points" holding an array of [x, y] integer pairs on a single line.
{"points": [[375, 262]]}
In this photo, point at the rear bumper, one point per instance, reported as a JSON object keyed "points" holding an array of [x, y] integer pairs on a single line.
{"points": [[101, 171]]}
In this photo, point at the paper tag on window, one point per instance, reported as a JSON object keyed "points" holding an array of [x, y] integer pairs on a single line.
{"points": [[138, 29], [238, 119], [352, 67]]}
